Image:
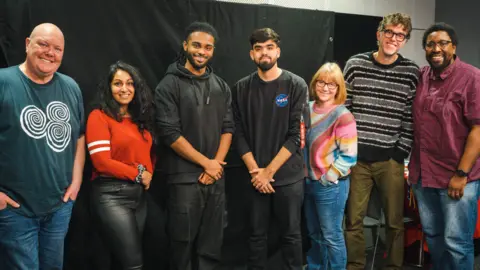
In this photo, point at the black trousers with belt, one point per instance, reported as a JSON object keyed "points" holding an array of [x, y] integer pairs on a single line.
{"points": [[119, 210], [196, 218]]}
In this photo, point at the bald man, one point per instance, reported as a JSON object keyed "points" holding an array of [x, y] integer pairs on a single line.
{"points": [[42, 154]]}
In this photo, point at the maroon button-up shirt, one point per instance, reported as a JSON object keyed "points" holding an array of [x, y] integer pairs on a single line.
{"points": [[444, 110]]}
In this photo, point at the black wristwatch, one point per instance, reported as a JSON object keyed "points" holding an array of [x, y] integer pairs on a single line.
{"points": [[461, 173], [141, 169]]}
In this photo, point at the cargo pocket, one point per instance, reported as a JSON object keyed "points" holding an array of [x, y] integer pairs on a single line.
{"points": [[179, 224]]}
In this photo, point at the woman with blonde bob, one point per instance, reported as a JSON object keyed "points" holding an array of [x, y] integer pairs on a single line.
{"points": [[330, 152]]}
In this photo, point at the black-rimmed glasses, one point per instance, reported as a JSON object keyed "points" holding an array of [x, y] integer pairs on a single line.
{"points": [[389, 34], [443, 44], [330, 86]]}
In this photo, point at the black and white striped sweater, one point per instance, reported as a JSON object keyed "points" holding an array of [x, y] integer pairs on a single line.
{"points": [[380, 97]]}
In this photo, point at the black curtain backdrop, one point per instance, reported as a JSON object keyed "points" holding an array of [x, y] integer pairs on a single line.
{"points": [[354, 34], [148, 34]]}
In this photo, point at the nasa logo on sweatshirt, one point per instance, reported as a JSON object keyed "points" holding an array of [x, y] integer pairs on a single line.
{"points": [[281, 100]]}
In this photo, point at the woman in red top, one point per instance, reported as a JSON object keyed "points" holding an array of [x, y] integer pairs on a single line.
{"points": [[119, 140]]}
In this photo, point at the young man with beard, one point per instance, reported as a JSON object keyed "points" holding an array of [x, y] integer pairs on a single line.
{"points": [[445, 164], [380, 90], [42, 154], [195, 125], [268, 106]]}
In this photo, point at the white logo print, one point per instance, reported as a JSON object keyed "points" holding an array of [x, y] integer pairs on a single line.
{"points": [[54, 125]]}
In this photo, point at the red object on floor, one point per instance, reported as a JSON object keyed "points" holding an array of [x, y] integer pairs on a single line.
{"points": [[476, 234], [413, 234]]}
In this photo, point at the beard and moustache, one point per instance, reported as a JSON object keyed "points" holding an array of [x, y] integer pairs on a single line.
{"points": [[447, 60], [193, 63], [266, 66]]}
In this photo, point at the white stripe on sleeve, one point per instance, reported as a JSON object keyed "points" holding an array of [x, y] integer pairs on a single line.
{"points": [[100, 149], [97, 143]]}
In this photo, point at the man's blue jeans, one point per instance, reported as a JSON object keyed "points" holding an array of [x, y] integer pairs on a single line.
{"points": [[324, 212], [448, 225], [33, 243]]}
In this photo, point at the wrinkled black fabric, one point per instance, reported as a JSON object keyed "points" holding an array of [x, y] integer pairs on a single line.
{"points": [[119, 211], [196, 219]]}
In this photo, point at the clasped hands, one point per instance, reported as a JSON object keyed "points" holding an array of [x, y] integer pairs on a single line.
{"points": [[261, 180], [213, 171]]}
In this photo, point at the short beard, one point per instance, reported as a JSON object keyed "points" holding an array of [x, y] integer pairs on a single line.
{"points": [[441, 67], [266, 66], [192, 61], [389, 54]]}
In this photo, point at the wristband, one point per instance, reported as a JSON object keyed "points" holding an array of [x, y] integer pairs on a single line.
{"points": [[141, 169]]}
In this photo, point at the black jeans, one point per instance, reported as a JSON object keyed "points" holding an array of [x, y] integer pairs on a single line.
{"points": [[196, 218], [119, 208], [285, 207]]}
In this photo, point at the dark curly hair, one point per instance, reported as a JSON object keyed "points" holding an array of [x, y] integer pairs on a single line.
{"points": [[441, 26], [141, 106], [263, 35], [203, 27], [196, 26]]}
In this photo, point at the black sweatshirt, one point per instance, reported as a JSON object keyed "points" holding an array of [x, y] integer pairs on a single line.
{"points": [[267, 117], [195, 107]]}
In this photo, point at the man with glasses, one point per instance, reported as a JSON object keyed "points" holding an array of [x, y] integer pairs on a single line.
{"points": [[445, 167], [380, 89]]}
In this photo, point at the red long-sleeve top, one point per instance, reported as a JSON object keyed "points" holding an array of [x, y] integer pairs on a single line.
{"points": [[116, 148]]}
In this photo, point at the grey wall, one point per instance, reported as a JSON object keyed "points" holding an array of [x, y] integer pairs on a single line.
{"points": [[464, 16]]}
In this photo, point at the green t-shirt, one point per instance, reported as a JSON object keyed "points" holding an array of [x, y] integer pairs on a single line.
{"points": [[39, 128]]}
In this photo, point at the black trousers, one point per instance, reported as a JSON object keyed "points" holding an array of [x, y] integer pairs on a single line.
{"points": [[196, 218], [119, 210], [284, 207]]}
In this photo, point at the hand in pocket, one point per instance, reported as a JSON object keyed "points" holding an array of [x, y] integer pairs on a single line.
{"points": [[5, 201]]}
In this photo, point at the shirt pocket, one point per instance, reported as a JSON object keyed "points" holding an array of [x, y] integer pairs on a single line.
{"points": [[448, 115], [448, 108], [437, 105]]}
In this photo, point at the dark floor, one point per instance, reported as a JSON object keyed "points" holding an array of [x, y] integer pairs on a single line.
{"points": [[412, 257], [378, 262]]}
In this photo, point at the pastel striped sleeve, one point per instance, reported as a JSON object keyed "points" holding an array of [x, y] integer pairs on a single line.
{"points": [[346, 155], [99, 145]]}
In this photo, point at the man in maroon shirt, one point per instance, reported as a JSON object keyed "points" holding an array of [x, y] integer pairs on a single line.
{"points": [[444, 166]]}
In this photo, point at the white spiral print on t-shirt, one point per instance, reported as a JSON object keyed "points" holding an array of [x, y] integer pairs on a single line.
{"points": [[54, 125], [58, 112], [33, 122]]}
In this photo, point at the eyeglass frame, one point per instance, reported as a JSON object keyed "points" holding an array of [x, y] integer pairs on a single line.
{"points": [[319, 83], [443, 44], [397, 35]]}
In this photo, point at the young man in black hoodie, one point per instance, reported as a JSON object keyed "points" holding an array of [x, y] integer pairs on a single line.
{"points": [[195, 125], [268, 107]]}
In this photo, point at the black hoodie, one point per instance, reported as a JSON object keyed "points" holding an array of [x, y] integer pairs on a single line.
{"points": [[195, 107]]}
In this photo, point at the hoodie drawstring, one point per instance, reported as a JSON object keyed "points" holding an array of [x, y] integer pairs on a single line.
{"points": [[208, 92], [197, 94]]}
